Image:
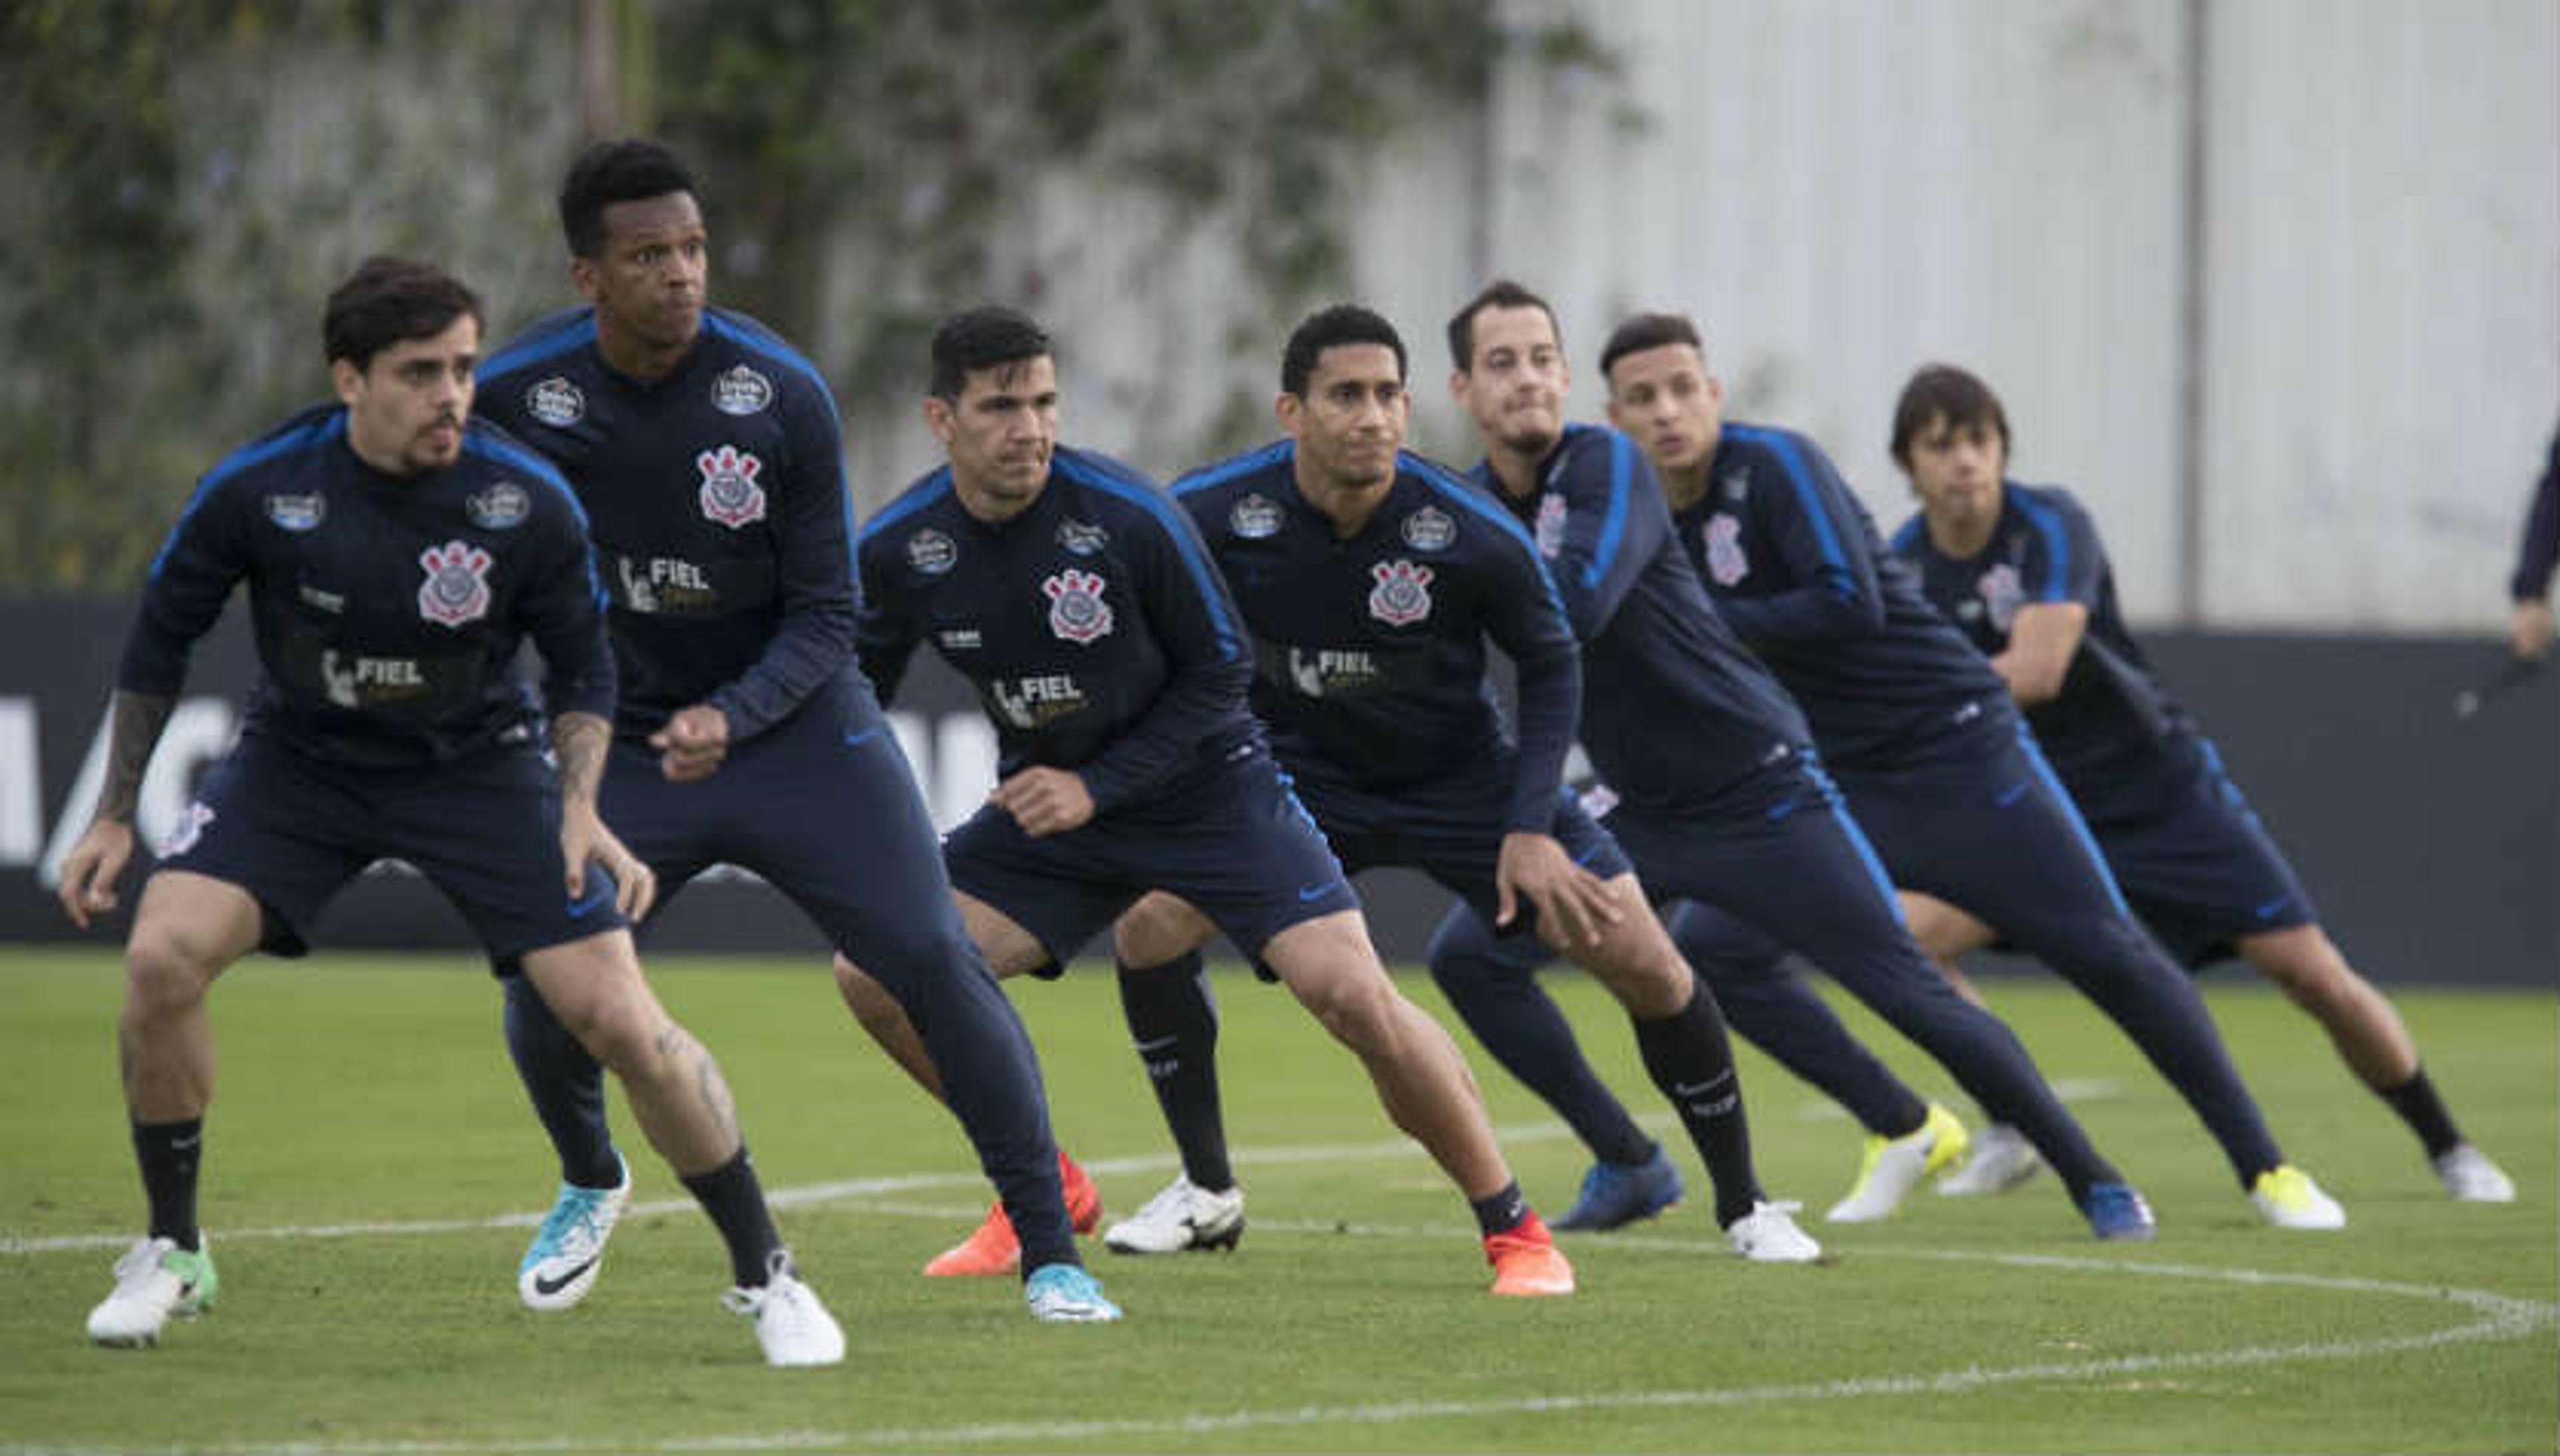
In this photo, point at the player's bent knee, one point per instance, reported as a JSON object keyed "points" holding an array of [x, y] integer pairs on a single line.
{"points": [[1160, 927]]}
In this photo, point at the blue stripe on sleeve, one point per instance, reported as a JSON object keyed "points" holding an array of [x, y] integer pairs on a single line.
{"points": [[553, 336], [1457, 492], [1093, 471], [284, 442], [1907, 538], [1622, 470], [1792, 461], [1228, 469], [2057, 546], [917, 497], [750, 335]]}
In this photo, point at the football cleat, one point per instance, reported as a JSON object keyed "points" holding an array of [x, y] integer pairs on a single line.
{"points": [[1064, 1294], [1893, 1167], [1615, 1194], [1185, 1216], [154, 1280], [2117, 1214], [2001, 1160], [2287, 1197], [793, 1328], [1526, 1261], [1768, 1235], [567, 1251], [2471, 1178], [994, 1247]]}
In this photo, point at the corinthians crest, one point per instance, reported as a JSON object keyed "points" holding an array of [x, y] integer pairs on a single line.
{"points": [[730, 494], [1077, 611], [1403, 596], [1725, 561], [457, 584]]}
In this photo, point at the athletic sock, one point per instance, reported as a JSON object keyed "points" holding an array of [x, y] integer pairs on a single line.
{"points": [[169, 1153], [1173, 1022], [735, 1202], [2419, 1106], [566, 1086], [1692, 1060], [1501, 1211]]}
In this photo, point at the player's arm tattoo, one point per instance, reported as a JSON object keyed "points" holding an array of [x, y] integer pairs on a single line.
{"points": [[578, 741], [138, 720]]}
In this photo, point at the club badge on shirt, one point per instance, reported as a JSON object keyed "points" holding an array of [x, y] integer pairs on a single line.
{"points": [[730, 494], [1077, 611], [741, 390], [457, 584], [555, 403], [1254, 517], [1403, 596], [1549, 529], [1429, 529], [2002, 592], [1725, 561]]}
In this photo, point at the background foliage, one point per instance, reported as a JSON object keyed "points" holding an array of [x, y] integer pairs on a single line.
{"points": [[193, 176]]}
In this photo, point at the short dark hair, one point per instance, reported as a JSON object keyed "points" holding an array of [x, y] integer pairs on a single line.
{"points": [[1331, 328], [1499, 294], [1942, 391], [386, 301], [980, 337], [629, 170], [1648, 331]]}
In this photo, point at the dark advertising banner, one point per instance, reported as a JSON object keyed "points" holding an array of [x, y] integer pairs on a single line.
{"points": [[2430, 840]]}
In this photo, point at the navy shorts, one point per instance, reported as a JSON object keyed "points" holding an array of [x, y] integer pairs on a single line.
{"points": [[1235, 843], [1451, 830], [2200, 869], [823, 807], [485, 830]]}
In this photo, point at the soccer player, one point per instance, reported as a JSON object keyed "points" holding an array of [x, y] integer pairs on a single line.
{"points": [[2021, 570], [2537, 554], [1937, 765], [1080, 605], [706, 451], [1371, 581], [1721, 797], [396, 552]]}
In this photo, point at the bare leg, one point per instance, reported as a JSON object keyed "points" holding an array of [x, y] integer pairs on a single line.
{"points": [[2369, 1034], [1946, 932], [595, 988], [188, 929]]}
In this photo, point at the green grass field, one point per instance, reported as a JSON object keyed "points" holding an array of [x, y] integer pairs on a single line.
{"points": [[372, 1171]]}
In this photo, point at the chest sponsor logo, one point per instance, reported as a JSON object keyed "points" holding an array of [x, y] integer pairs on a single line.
{"points": [[182, 836], [741, 390], [730, 494], [555, 403], [960, 639], [1083, 537], [1725, 561], [1028, 703], [1255, 516], [930, 553], [663, 583], [332, 602], [1548, 529], [500, 507], [1077, 611], [1429, 529], [457, 584], [1401, 595], [1319, 672], [297, 513], [352, 680], [2000, 591]]}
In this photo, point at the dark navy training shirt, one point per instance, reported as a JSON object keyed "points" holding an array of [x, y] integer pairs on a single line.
{"points": [[716, 495], [388, 610], [1093, 624], [1796, 569], [1369, 652], [2539, 551], [2110, 725], [1674, 708]]}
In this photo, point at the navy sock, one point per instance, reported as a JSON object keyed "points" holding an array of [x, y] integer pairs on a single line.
{"points": [[169, 1153], [1173, 1022], [2419, 1106], [1501, 1211], [566, 1087], [1692, 1060], [735, 1202], [1503, 1006]]}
